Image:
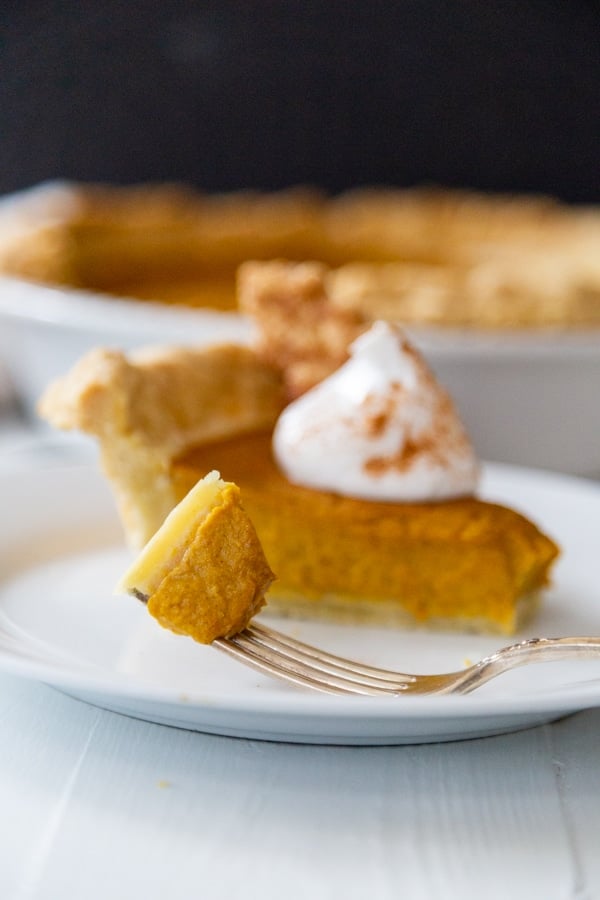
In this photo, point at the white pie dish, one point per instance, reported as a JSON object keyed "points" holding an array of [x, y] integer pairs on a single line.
{"points": [[528, 398]]}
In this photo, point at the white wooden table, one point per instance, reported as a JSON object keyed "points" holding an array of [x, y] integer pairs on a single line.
{"points": [[95, 805]]}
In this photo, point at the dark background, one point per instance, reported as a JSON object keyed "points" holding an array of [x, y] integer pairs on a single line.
{"points": [[492, 95]]}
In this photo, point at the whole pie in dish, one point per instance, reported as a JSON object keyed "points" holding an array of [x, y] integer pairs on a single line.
{"points": [[419, 255], [166, 418]]}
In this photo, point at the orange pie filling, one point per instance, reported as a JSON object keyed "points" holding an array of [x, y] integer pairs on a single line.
{"points": [[462, 564]]}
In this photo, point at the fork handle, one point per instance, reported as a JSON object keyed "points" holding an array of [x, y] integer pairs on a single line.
{"points": [[534, 650]]}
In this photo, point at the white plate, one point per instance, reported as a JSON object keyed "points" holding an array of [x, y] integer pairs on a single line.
{"points": [[61, 553]]}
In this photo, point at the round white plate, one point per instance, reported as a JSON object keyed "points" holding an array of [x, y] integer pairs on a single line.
{"points": [[62, 551]]}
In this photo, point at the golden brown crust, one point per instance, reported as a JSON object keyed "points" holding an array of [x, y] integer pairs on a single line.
{"points": [[147, 408], [301, 330], [158, 242]]}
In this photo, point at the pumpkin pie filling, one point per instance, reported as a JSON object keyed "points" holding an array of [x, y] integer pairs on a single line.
{"points": [[460, 564]]}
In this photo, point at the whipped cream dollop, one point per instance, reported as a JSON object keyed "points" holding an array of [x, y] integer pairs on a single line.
{"points": [[379, 428]]}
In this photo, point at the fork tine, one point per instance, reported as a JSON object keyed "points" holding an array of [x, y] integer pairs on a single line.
{"points": [[323, 661], [340, 673], [307, 672], [262, 664]]}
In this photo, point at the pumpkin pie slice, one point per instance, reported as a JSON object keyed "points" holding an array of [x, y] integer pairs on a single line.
{"points": [[166, 420]]}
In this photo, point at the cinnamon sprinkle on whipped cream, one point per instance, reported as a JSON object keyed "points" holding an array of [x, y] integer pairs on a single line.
{"points": [[379, 428]]}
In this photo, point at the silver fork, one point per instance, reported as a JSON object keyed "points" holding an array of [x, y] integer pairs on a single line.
{"points": [[277, 654]]}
